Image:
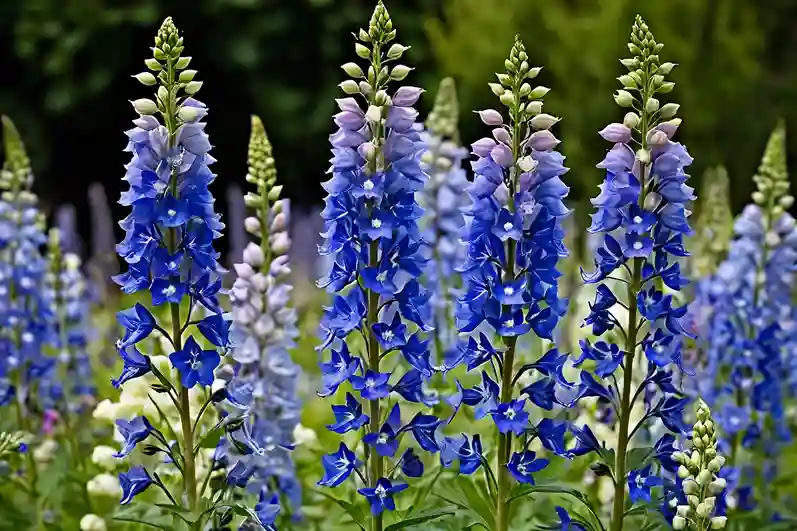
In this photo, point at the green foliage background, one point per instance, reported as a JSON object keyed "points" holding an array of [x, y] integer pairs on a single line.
{"points": [[66, 67]]}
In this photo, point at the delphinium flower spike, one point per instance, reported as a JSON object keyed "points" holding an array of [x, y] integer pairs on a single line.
{"points": [[749, 331], [699, 472], [514, 240], [169, 252], [442, 200], [714, 223], [264, 329], [371, 233], [23, 311], [642, 213]]}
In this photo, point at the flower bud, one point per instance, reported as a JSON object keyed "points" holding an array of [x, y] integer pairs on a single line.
{"points": [[153, 65], [718, 522], [683, 472], [703, 510], [716, 464], [253, 255], [350, 87], [396, 51], [188, 114], [497, 89], [92, 522], [279, 223], [353, 70], [144, 106], [400, 72], [786, 201], [527, 164], [690, 487], [507, 98], [534, 107], [665, 68], [252, 225], [145, 78], [362, 51], [192, 87], [187, 76], [373, 114], [281, 243], [652, 105], [704, 478], [543, 141], [630, 120], [678, 523], [669, 110], [539, 92], [543, 121], [491, 117], [623, 98], [693, 500], [617, 133]]}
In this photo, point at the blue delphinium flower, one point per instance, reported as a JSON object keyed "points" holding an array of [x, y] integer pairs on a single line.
{"points": [[642, 214], [747, 323], [371, 232], [168, 247], [514, 240], [442, 200]]}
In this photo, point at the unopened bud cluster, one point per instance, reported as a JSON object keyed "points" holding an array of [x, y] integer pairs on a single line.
{"points": [[772, 179], [699, 472]]}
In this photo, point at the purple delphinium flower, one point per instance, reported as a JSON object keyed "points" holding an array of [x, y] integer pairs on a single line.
{"points": [[372, 237], [642, 214]]}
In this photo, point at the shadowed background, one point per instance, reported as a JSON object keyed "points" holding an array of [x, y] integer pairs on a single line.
{"points": [[66, 67]]}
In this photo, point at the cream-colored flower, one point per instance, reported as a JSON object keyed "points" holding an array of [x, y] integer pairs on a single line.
{"points": [[45, 451], [92, 522], [103, 456], [304, 435], [105, 410], [104, 485]]}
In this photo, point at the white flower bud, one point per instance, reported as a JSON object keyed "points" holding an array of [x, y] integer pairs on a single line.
{"points": [[716, 464], [669, 110], [396, 51], [665, 68], [187, 76], [690, 486], [304, 435], [491, 117], [507, 98], [362, 51], [252, 225], [693, 500], [543, 121], [527, 164], [350, 87], [717, 486], [534, 107], [497, 89], [703, 510], [704, 478], [279, 222], [623, 98], [373, 114], [253, 255], [718, 522], [539, 92], [630, 120], [92, 522], [652, 105], [145, 78], [45, 451], [678, 523], [682, 510], [786, 201], [145, 106], [683, 472], [281, 243]]}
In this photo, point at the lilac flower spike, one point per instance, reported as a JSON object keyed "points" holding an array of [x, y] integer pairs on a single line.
{"points": [[168, 247], [372, 236], [642, 211], [514, 239]]}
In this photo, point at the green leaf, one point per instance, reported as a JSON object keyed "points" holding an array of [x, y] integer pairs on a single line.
{"points": [[180, 512], [421, 518], [211, 439], [353, 510], [423, 492], [638, 458], [142, 522], [553, 489]]}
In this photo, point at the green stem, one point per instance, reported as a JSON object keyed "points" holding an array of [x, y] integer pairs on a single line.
{"points": [[375, 460], [505, 441]]}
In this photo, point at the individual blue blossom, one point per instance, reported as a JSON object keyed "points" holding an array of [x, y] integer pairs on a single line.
{"points": [[133, 432], [169, 251], [642, 213], [134, 482], [376, 254], [470, 455], [349, 416], [511, 417], [381, 496], [640, 482], [411, 464], [523, 464], [566, 523]]}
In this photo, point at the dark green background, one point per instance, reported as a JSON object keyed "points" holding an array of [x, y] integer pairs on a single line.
{"points": [[65, 78]]}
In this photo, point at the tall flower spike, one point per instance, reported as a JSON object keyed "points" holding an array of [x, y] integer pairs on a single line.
{"points": [[714, 223], [24, 315], [514, 240], [169, 250], [371, 233], [442, 199], [264, 328], [642, 213], [699, 473], [748, 326]]}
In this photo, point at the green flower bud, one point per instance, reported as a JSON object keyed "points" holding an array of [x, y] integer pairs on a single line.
{"points": [[693, 500], [146, 79], [274, 193], [153, 65], [400, 72], [623, 98], [669, 110], [504, 79], [786, 202], [353, 69], [182, 62], [163, 94], [718, 522], [678, 523], [631, 120], [690, 487], [704, 478], [192, 87], [187, 114], [683, 472], [665, 68], [362, 51], [534, 107], [652, 105], [507, 98], [187, 76], [539, 92], [350, 87], [666, 88], [703, 510], [396, 51], [533, 72], [627, 81], [543, 121], [145, 107]]}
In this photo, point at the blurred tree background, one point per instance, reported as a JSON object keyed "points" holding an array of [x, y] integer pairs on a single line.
{"points": [[66, 67]]}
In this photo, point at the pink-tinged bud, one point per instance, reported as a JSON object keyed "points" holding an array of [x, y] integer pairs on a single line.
{"points": [[502, 135], [502, 155], [543, 141], [483, 146], [669, 127], [501, 194], [406, 96], [491, 117], [657, 137], [617, 133], [349, 105], [244, 270]]}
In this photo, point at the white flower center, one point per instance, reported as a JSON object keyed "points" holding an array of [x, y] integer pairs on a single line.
{"points": [[381, 277], [640, 482], [637, 219], [509, 290], [376, 223], [172, 264], [509, 322], [171, 212], [658, 349], [521, 469], [637, 245], [169, 290], [382, 439], [508, 226], [510, 414], [381, 492], [368, 185], [370, 382], [388, 335]]}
